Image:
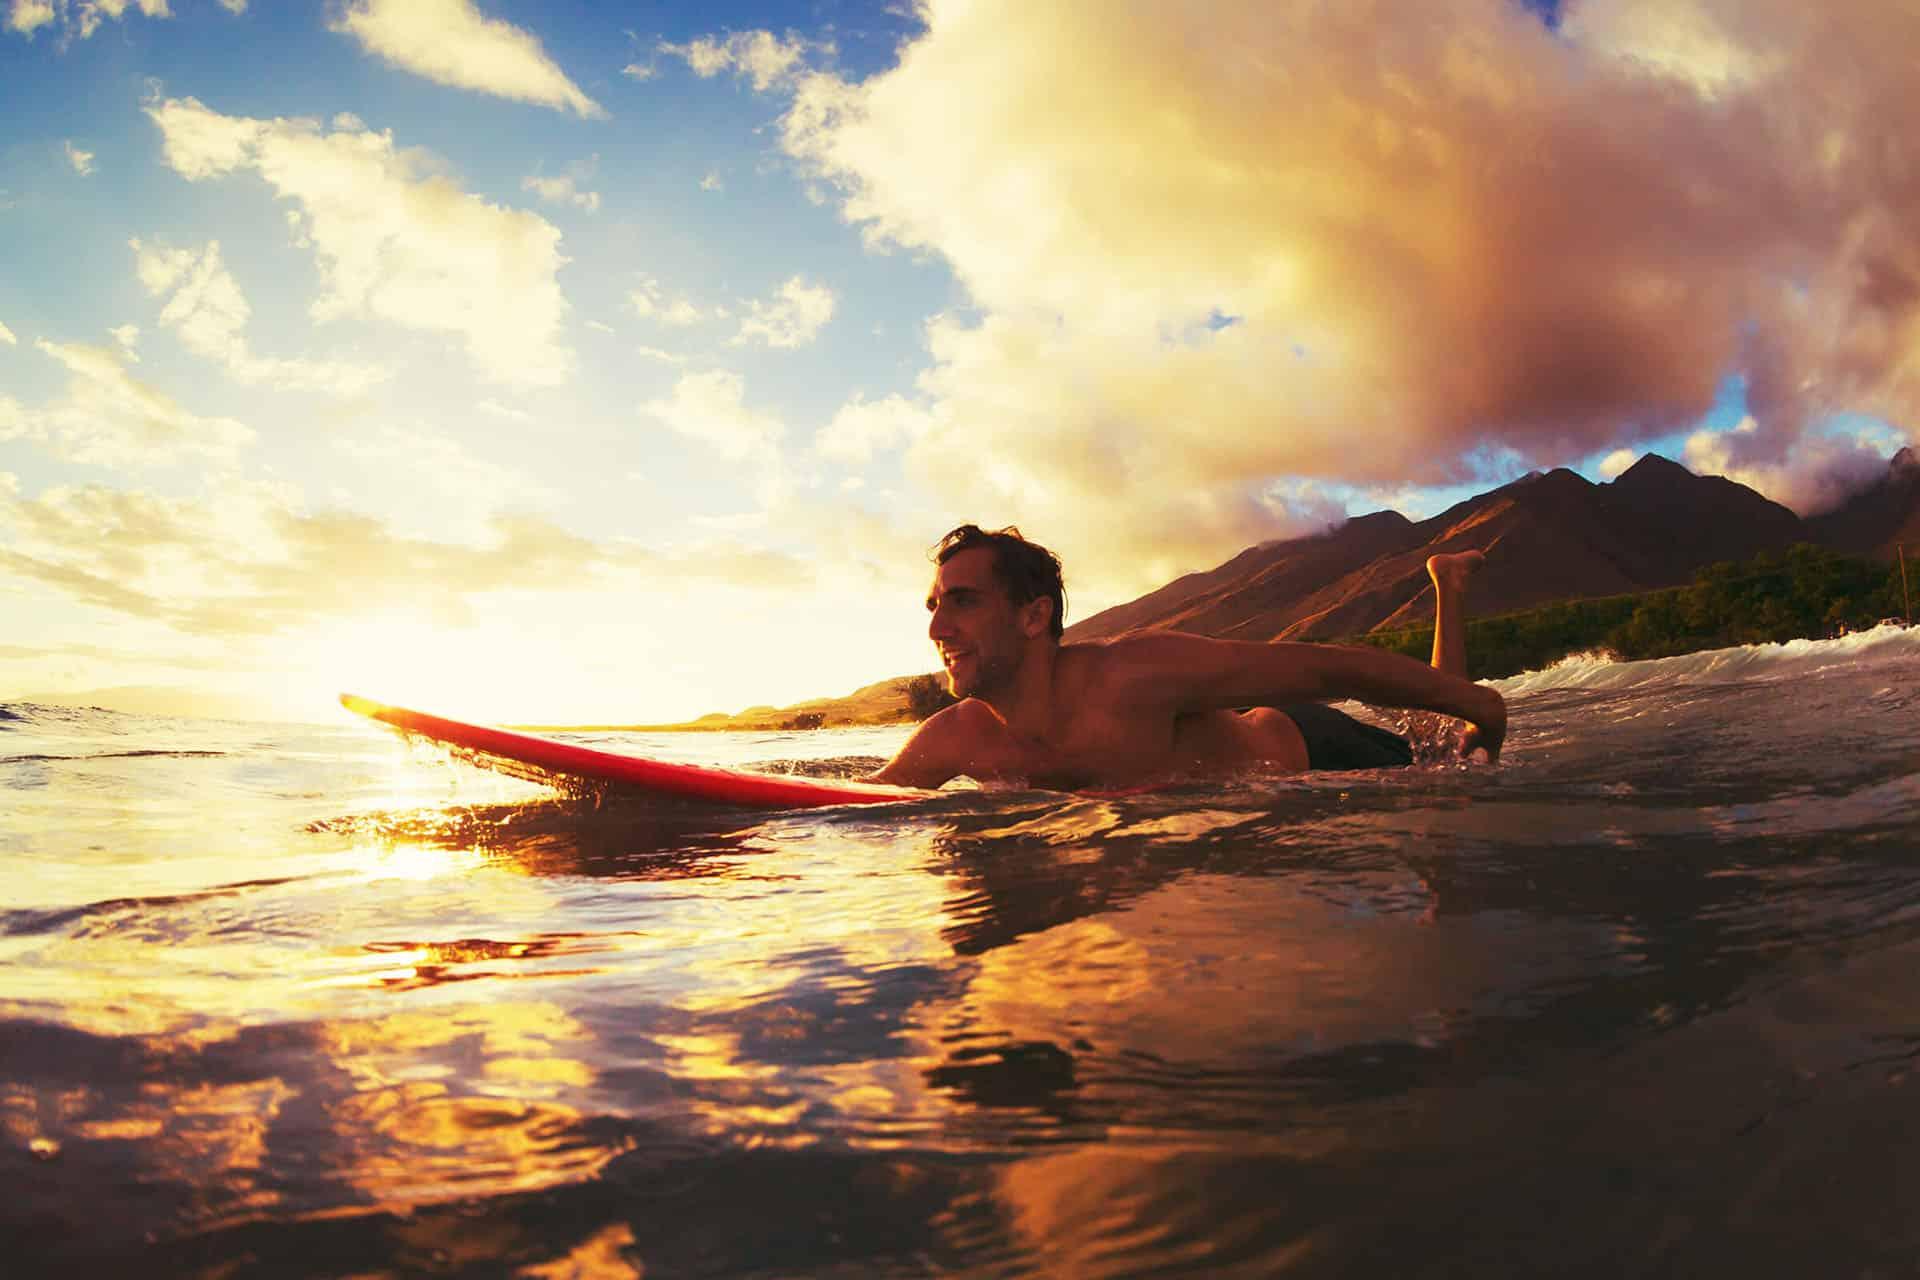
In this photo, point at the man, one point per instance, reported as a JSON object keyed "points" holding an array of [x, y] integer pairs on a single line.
{"points": [[1158, 704]]}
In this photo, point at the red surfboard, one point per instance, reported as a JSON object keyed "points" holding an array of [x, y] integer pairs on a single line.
{"points": [[560, 763]]}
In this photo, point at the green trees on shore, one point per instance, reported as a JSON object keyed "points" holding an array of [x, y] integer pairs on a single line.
{"points": [[1807, 592], [926, 695]]}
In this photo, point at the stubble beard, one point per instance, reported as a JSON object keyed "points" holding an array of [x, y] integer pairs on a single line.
{"points": [[990, 676]]}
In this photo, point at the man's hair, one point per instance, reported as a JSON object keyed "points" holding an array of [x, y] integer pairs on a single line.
{"points": [[1026, 570]]}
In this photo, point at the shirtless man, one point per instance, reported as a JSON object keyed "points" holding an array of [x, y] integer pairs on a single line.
{"points": [[1156, 704]]}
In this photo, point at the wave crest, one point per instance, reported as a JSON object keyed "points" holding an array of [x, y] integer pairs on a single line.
{"points": [[1598, 669]]}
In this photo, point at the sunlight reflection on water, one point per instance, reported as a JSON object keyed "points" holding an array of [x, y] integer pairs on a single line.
{"points": [[336, 1009]]}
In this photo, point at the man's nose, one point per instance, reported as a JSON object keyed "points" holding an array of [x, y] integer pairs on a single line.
{"points": [[937, 624]]}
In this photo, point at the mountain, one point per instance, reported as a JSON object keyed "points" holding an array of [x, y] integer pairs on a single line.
{"points": [[1257, 578], [1548, 537], [883, 702], [1880, 517]]}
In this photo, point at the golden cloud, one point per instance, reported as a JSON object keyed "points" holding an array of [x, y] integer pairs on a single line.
{"points": [[109, 418], [450, 42], [205, 306], [1216, 246], [767, 61], [248, 561], [793, 317], [711, 407], [402, 245]]}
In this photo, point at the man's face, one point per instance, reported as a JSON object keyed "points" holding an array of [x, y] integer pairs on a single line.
{"points": [[975, 626]]}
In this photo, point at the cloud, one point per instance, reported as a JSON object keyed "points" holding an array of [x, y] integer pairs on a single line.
{"points": [[248, 563], [6, 336], [1617, 462], [508, 412], [679, 313], [766, 60], [1819, 475], [82, 161], [445, 465], [109, 418], [205, 307], [28, 16], [864, 427], [1204, 248], [78, 20], [450, 42], [1688, 43], [394, 242], [1135, 477], [128, 336], [562, 190], [124, 657], [793, 317], [872, 553], [650, 302], [248, 560], [710, 407], [599, 326], [711, 182]]}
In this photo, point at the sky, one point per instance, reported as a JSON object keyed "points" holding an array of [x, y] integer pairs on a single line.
{"points": [[594, 362]]}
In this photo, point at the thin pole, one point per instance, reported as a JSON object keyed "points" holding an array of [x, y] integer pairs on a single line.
{"points": [[1905, 599]]}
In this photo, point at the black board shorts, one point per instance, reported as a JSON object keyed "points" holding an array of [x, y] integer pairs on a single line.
{"points": [[1335, 740]]}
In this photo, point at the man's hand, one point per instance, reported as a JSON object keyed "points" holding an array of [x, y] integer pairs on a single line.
{"points": [[1486, 729]]}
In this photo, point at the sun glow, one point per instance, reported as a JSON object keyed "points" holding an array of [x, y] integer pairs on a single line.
{"points": [[467, 672], [618, 658]]}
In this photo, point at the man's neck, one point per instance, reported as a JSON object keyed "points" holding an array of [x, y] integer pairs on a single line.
{"points": [[1025, 706]]}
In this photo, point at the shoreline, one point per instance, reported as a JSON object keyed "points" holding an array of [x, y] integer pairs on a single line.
{"points": [[880, 705]]}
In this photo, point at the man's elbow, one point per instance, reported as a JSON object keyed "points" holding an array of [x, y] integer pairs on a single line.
{"points": [[907, 772]]}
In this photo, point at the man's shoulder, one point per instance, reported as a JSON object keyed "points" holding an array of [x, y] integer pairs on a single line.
{"points": [[1143, 651], [964, 737], [969, 715], [946, 743]]}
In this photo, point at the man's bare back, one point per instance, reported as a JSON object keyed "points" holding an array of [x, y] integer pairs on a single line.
{"points": [[1139, 708]]}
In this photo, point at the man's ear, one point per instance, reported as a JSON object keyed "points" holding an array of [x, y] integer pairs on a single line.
{"points": [[1036, 616]]}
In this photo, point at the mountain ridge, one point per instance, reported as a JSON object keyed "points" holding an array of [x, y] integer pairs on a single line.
{"points": [[1549, 536]]}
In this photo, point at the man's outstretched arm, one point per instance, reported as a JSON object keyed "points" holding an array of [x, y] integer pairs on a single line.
{"points": [[926, 759], [1194, 673]]}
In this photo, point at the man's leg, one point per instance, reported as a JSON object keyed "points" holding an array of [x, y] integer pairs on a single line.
{"points": [[1450, 574]]}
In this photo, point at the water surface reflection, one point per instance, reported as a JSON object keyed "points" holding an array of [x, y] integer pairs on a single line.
{"points": [[1227, 1030]]}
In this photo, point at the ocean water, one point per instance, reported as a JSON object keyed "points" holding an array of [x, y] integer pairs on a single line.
{"points": [[1643, 1000]]}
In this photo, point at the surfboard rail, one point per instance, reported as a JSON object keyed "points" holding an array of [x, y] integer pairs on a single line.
{"points": [[568, 760]]}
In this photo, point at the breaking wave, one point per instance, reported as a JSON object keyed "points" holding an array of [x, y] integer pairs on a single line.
{"points": [[1793, 659]]}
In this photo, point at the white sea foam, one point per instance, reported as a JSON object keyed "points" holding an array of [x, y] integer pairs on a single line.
{"points": [[1795, 659]]}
